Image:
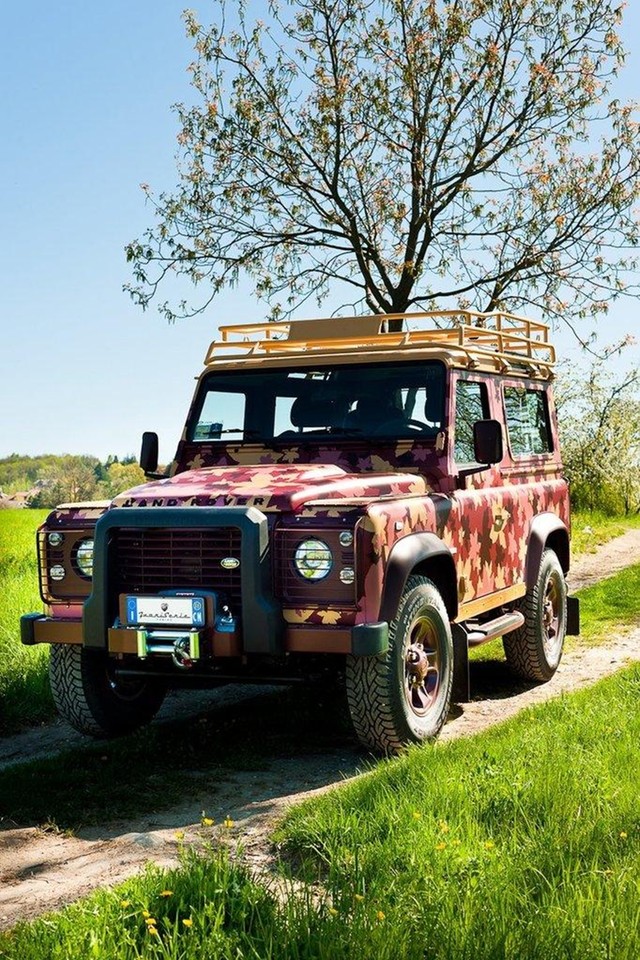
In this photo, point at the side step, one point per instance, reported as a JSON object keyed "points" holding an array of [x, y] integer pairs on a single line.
{"points": [[473, 634], [482, 633]]}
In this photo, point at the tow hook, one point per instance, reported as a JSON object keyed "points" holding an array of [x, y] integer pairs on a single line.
{"points": [[181, 653]]}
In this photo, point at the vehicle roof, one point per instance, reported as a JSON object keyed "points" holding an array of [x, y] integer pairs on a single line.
{"points": [[494, 342]]}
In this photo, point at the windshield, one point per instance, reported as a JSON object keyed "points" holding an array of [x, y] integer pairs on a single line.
{"points": [[391, 400]]}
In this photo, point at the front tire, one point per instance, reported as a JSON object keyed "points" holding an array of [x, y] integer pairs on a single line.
{"points": [[534, 650], [403, 696], [88, 695]]}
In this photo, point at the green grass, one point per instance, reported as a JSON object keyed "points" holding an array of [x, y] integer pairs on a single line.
{"points": [[610, 605], [522, 843], [24, 684], [591, 528]]}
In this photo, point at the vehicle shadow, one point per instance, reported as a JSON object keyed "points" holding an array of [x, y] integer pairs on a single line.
{"points": [[494, 680], [255, 734], [166, 763]]}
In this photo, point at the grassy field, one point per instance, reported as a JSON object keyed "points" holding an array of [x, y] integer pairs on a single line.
{"points": [[24, 689], [24, 686], [522, 843]]}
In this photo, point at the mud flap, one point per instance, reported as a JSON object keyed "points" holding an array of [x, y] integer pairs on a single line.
{"points": [[573, 617], [461, 692]]}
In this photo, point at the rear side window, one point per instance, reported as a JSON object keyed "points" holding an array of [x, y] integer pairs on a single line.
{"points": [[527, 421], [472, 404]]}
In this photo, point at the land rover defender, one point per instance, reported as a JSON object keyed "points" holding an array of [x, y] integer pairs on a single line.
{"points": [[342, 497]]}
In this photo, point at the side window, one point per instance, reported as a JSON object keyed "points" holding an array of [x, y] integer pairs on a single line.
{"points": [[472, 404], [527, 421]]}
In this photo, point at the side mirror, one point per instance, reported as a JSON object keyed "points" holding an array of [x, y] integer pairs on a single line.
{"points": [[149, 452], [487, 441]]}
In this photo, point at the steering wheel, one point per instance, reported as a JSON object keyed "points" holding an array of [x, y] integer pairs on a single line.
{"points": [[394, 426]]}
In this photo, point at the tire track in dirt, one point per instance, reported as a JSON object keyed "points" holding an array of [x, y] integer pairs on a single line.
{"points": [[41, 870]]}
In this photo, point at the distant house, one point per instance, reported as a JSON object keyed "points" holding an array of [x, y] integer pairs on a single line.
{"points": [[13, 501]]}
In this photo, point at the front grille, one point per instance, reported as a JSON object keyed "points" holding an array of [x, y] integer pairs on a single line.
{"points": [[151, 560]]}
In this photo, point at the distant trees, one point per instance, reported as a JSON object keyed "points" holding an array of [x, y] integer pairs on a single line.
{"points": [[68, 478]]}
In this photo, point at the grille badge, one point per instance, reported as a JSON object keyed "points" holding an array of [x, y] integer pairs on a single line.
{"points": [[230, 563]]}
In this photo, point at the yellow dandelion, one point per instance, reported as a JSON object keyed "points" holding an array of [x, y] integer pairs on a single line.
{"points": [[228, 823], [166, 893], [150, 921], [489, 845], [623, 834], [444, 826], [145, 913], [153, 931], [180, 835], [380, 916], [125, 903], [333, 912], [358, 897], [417, 815], [207, 822], [441, 846], [187, 922]]}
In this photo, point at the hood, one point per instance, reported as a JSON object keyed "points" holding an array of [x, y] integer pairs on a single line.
{"points": [[271, 487]]}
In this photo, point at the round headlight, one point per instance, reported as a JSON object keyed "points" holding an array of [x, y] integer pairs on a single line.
{"points": [[55, 538], [313, 559], [57, 572], [346, 538], [84, 558]]}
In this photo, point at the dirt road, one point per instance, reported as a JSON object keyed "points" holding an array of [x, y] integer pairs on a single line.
{"points": [[40, 869]]}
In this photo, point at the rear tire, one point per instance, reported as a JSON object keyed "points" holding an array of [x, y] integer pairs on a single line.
{"points": [[88, 695], [403, 696], [534, 650]]}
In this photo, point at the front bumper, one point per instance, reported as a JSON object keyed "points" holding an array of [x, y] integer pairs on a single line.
{"points": [[263, 625], [363, 640]]}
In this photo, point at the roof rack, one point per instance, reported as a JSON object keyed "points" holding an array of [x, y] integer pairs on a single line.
{"points": [[500, 339]]}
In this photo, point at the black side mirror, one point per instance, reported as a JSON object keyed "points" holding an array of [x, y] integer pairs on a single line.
{"points": [[149, 452], [487, 441]]}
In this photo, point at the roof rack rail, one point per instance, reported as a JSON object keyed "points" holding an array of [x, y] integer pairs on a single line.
{"points": [[499, 339]]}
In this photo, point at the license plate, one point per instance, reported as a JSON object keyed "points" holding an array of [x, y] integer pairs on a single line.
{"points": [[170, 611]]}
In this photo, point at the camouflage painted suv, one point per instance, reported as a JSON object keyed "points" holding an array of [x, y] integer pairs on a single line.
{"points": [[342, 496]]}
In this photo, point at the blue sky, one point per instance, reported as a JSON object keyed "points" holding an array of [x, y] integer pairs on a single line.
{"points": [[86, 91]]}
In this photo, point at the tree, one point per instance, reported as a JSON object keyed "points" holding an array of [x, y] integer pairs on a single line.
{"points": [[418, 154], [67, 479], [599, 419], [121, 476]]}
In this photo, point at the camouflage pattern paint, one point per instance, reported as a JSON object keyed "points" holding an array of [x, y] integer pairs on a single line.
{"points": [[383, 491]]}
